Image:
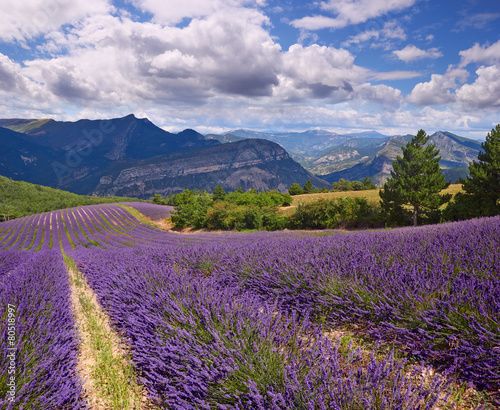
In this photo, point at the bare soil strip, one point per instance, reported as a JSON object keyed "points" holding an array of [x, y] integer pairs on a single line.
{"points": [[103, 362]]}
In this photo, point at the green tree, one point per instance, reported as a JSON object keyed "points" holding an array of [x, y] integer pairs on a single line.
{"points": [[416, 180], [481, 196], [368, 184], [218, 194], [157, 199], [295, 189], [308, 187]]}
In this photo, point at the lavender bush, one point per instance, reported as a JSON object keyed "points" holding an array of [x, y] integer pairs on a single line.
{"points": [[44, 342]]}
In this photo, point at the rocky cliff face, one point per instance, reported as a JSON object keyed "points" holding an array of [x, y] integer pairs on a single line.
{"points": [[250, 164], [455, 152]]}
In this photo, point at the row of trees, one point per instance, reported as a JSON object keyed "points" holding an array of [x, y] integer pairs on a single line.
{"points": [[413, 190], [341, 185]]}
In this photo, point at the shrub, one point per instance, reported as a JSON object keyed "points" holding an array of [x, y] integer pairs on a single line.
{"points": [[335, 213]]}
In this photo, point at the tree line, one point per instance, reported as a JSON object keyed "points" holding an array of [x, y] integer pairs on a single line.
{"points": [[411, 196]]}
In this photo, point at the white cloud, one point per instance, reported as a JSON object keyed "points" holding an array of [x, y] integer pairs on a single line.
{"points": [[381, 93], [439, 89], [318, 23], [481, 54], [412, 53], [116, 61], [484, 93], [24, 20], [174, 11], [477, 21], [390, 31], [394, 75], [350, 12], [318, 72]]}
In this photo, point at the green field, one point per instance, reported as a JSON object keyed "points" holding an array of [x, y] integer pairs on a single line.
{"points": [[372, 196]]}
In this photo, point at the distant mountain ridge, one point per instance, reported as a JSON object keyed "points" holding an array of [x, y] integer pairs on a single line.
{"points": [[355, 156], [136, 158]]}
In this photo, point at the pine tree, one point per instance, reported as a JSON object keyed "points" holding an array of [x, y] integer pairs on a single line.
{"points": [[308, 187], [484, 180], [295, 189], [218, 193], [481, 196], [415, 180]]}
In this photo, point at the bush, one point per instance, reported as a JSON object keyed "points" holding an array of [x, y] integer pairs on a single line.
{"points": [[227, 216], [295, 189], [190, 209], [335, 213]]}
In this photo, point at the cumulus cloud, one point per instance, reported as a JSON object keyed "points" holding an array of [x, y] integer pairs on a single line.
{"points": [[412, 53], [117, 60], [318, 72], [349, 12], [24, 20], [487, 54], [174, 11], [439, 90], [484, 92]]}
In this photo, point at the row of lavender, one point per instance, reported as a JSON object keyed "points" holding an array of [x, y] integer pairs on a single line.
{"points": [[154, 212], [188, 310], [204, 343], [433, 290], [106, 226], [38, 341]]}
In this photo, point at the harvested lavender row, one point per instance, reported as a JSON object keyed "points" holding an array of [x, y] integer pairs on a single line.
{"points": [[41, 346], [200, 344]]}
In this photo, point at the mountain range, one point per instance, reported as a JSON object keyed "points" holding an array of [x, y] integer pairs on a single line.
{"points": [[133, 157], [355, 156]]}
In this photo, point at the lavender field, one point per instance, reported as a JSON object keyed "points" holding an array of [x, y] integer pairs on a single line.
{"points": [[256, 320]]}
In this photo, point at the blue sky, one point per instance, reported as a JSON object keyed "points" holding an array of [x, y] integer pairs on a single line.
{"points": [[394, 66]]}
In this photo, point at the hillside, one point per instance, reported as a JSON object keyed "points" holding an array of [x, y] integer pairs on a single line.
{"points": [[250, 164], [354, 156], [455, 152], [134, 157], [20, 198]]}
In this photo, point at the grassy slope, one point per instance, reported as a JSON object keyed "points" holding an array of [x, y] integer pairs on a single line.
{"points": [[18, 198], [372, 196], [24, 128]]}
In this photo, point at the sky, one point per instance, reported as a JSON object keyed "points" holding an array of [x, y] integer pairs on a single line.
{"points": [[393, 66]]}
